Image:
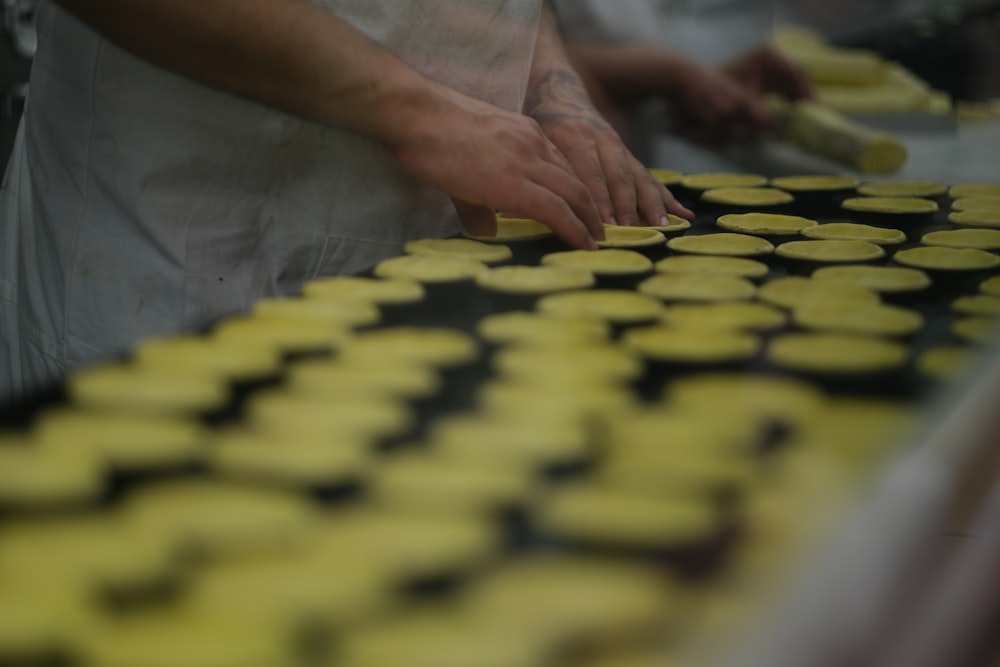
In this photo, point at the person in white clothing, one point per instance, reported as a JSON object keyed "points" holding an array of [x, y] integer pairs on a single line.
{"points": [[178, 161]]}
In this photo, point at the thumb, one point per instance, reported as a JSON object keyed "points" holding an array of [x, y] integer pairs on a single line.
{"points": [[476, 220]]}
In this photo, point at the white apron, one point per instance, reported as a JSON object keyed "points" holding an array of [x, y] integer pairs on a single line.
{"points": [[139, 203]]}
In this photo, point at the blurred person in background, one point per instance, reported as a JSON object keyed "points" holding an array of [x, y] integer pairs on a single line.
{"points": [[621, 48], [178, 161]]}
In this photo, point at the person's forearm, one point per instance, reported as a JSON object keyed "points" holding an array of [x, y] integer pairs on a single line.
{"points": [[288, 54]]}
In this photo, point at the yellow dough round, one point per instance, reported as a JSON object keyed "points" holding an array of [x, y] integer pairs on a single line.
{"points": [[862, 319], [979, 305], [945, 362], [990, 286], [607, 262], [975, 190], [982, 239], [725, 243], [747, 196], [819, 183], [740, 267], [691, 345], [597, 362], [515, 229], [886, 279], [204, 355], [708, 181], [698, 287], [538, 328], [374, 290], [740, 316], [344, 312], [975, 329], [903, 189], [764, 223], [488, 253], [616, 236], [436, 347], [890, 205], [976, 204], [615, 306], [830, 251], [426, 269], [853, 231], [667, 177], [795, 292], [836, 354], [976, 218], [675, 224], [947, 259], [593, 514], [135, 389], [534, 279]]}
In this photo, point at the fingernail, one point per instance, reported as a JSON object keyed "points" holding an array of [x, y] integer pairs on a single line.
{"points": [[664, 221], [612, 221]]}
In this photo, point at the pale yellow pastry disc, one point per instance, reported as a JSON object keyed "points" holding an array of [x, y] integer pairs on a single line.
{"points": [[425, 269], [853, 231], [976, 218], [982, 239], [990, 286], [374, 290], [859, 318], [814, 183], [515, 229], [976, 204], [903, 189], [594, 361], [606, 262], [836, 354], [708, 181], [887, 279], [139, 390], [537, 328], [747, 196], [340, 377], [975, 329], [343, 312], [944, 362], [691, 345], [666, 176], [616, 236], [592, 514], [795, 292], [285, 334], [740, 316], [947, 259], [981, 305], [724, 243], [975, 190], [890, 205], [830, 251], [437, 347], [698, 287], [787, 399], [675, 224], [740, 267], [534, 279], [615, 306], [488, 253], [204, 355], [764, 223]]}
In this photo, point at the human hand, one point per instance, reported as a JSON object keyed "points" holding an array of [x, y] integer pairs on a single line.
{"points": [[713, 108], [765, 70], [623, 190], [489, 159]]}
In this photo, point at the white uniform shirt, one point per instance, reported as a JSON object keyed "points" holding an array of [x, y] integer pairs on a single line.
{"points": [[140, 203]]}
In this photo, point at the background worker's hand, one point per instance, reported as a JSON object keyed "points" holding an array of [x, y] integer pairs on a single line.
{"points": [[713, 108], [623, 190], [766, 70]]}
